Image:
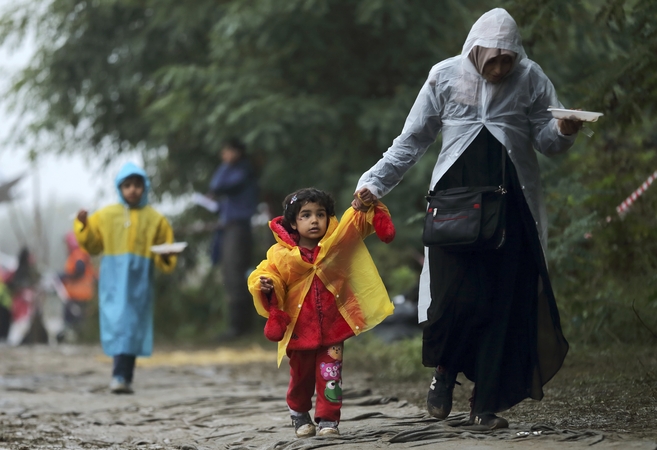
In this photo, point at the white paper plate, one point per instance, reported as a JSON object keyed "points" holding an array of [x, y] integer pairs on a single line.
{"points": [[175, 247], [573, 114]]}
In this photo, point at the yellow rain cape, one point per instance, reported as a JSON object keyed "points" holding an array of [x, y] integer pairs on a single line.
{"points": [[343, 264]]}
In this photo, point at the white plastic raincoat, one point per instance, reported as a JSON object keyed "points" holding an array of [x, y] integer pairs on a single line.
{"points": [[457, 101]]}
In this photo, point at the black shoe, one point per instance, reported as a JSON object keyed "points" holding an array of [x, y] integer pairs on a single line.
{"points": [[439, 398], [488, 420], [303, 425]]}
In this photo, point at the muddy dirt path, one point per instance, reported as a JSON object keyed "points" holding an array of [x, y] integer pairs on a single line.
{"points": [[57, 397]]}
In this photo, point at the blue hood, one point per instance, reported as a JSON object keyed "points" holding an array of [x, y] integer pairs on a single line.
{"points": [[127, 170]]}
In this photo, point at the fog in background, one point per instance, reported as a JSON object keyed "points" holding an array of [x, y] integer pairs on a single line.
{"points": [[53, 188]]}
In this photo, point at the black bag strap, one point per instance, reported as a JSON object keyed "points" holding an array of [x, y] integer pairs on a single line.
{"points": [[503, 165], [503, 185]]}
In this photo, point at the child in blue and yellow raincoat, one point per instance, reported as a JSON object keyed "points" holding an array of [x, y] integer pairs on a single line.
{"points": [[124, 233]]}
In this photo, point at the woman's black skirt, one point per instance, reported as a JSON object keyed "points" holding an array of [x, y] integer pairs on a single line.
{"points": [[493, 315]]}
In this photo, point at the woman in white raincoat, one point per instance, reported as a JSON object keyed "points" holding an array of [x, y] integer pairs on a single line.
{"points": [[491, 314]]}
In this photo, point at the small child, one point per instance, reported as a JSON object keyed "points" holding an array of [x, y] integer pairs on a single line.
{"points": [[318, 287], [125, 232]]}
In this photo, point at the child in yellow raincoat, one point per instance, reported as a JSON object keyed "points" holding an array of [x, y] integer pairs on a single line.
{"points": [[124, 233], [319, 287]]}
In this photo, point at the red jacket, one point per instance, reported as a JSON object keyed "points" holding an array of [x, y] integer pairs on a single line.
{"points": [[325, 295], [320, 322]]}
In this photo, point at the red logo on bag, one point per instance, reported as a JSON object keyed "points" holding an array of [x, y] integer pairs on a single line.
{"points": [[477, 206]]}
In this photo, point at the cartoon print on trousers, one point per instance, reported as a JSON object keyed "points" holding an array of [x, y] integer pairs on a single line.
{"points": [[332, 373], [333, 391], [335, 352]]}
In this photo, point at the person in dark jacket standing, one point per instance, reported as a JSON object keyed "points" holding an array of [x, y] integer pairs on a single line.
{"points": [[234, 185]]}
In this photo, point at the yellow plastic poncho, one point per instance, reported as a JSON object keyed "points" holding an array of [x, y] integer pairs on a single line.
{"points": [[343, 264]]}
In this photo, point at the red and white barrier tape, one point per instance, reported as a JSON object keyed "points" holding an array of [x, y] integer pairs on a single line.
{"points": [[623, 207]]}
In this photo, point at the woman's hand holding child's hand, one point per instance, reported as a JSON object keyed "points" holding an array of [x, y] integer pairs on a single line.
{"points": [[363, 199]]}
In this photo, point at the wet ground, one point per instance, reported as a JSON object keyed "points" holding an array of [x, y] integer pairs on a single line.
{"points": [[611, 390], [57, 397]]}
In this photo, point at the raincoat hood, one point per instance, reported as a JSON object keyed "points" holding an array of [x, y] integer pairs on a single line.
{"points": [[495, 29], [290, 240], [126, 171]]}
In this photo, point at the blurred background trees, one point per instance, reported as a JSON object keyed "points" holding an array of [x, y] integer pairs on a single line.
{"points": [[318, 89]]}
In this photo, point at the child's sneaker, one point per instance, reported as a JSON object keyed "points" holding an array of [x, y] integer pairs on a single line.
{"points": [[303, 425], [118, 385], [328, 428]]}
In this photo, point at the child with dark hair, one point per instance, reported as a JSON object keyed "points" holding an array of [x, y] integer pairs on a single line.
{"points": [[125, 232], [319, 287], [294, 202]]}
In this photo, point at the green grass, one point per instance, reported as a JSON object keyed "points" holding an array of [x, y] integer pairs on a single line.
{"points": [[396, 361]]}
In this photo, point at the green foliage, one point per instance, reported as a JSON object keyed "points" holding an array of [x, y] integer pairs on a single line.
{"points": [[295, 79], [392, 361], [597, 53], [319, 88], [185, 312], [190, 302]]}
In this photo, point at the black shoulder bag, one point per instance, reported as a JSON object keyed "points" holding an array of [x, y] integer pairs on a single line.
{"points": [[467, 218]]}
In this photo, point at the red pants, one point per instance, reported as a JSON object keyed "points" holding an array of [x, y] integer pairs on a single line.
{"points": [[320, 370]]}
